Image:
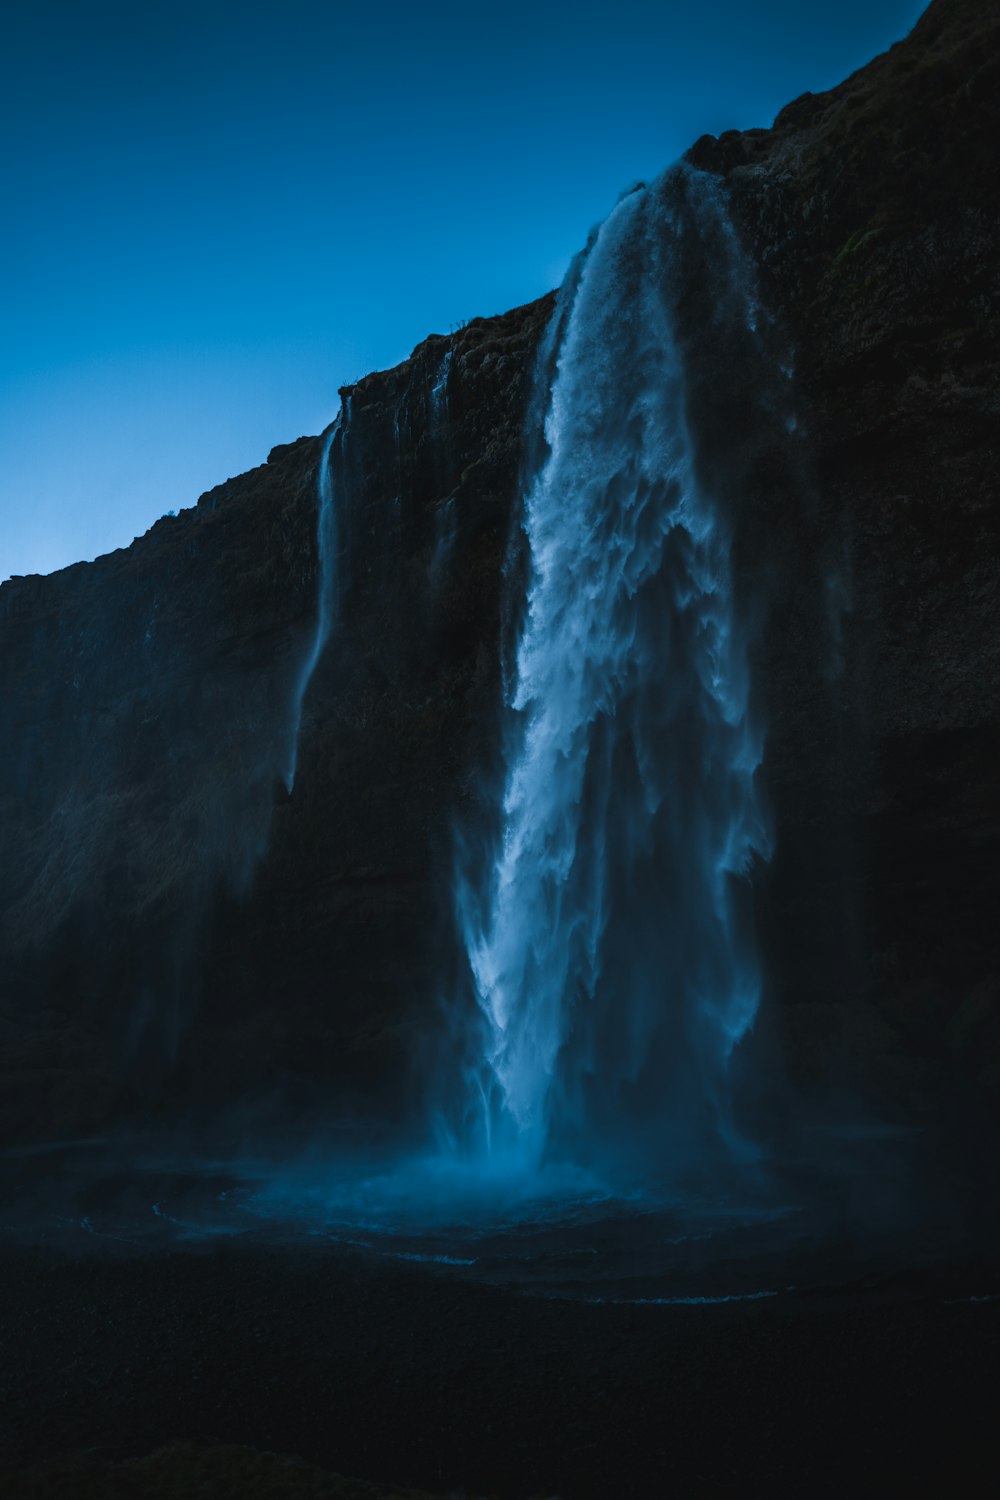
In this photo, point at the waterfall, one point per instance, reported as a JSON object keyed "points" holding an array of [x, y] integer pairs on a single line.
{"points": [[609, 931], [326, 540], [439, 392]]}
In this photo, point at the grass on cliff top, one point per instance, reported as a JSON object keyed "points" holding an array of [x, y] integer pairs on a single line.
{"points": [[915, 131]]}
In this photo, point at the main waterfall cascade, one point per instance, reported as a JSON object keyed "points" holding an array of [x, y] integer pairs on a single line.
{"points": [[609, 930], [608, 921]]}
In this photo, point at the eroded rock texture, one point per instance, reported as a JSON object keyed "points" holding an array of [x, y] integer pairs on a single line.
{"points": [[872, 213], [181, 937]]}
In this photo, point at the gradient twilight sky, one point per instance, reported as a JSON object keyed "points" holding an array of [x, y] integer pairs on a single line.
{"points": [[217, 213]]}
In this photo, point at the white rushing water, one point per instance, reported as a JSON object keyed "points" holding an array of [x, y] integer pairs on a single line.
{"points": [[608, 933], [326, 542]]}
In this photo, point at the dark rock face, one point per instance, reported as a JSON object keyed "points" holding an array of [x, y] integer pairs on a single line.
{"points": [[180, 935], [145, 704], [347, 937], [871, 211]]}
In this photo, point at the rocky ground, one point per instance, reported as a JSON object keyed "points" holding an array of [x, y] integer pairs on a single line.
{"points": [[404, 1378]]}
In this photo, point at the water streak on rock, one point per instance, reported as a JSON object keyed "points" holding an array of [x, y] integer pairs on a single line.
{"points": [[326, 542]]}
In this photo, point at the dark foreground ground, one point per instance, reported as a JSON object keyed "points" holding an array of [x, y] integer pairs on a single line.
{"points": [[407, 1377]]}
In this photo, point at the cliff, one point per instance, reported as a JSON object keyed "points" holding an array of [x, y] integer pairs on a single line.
{"points": [[181, 937], [871, 211]]}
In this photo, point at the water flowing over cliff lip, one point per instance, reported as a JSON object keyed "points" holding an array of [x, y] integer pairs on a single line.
{"points": [[632, 757]]}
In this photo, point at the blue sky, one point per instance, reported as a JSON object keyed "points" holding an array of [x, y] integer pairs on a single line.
{"points": [[217, 213]]}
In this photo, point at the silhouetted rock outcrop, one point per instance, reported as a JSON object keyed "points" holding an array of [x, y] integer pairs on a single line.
{"points": [[180, 934]]}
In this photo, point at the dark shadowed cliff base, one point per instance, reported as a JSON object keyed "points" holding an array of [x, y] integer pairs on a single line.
{"points": [[197, 957]]}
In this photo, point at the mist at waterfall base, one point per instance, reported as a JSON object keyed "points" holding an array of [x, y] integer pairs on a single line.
{"points": [[586, 1128]]}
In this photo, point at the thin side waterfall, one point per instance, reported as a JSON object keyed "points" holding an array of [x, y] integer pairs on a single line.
{"points": [[445, 516], [326, 542], [439, 391], [609, 933]]}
